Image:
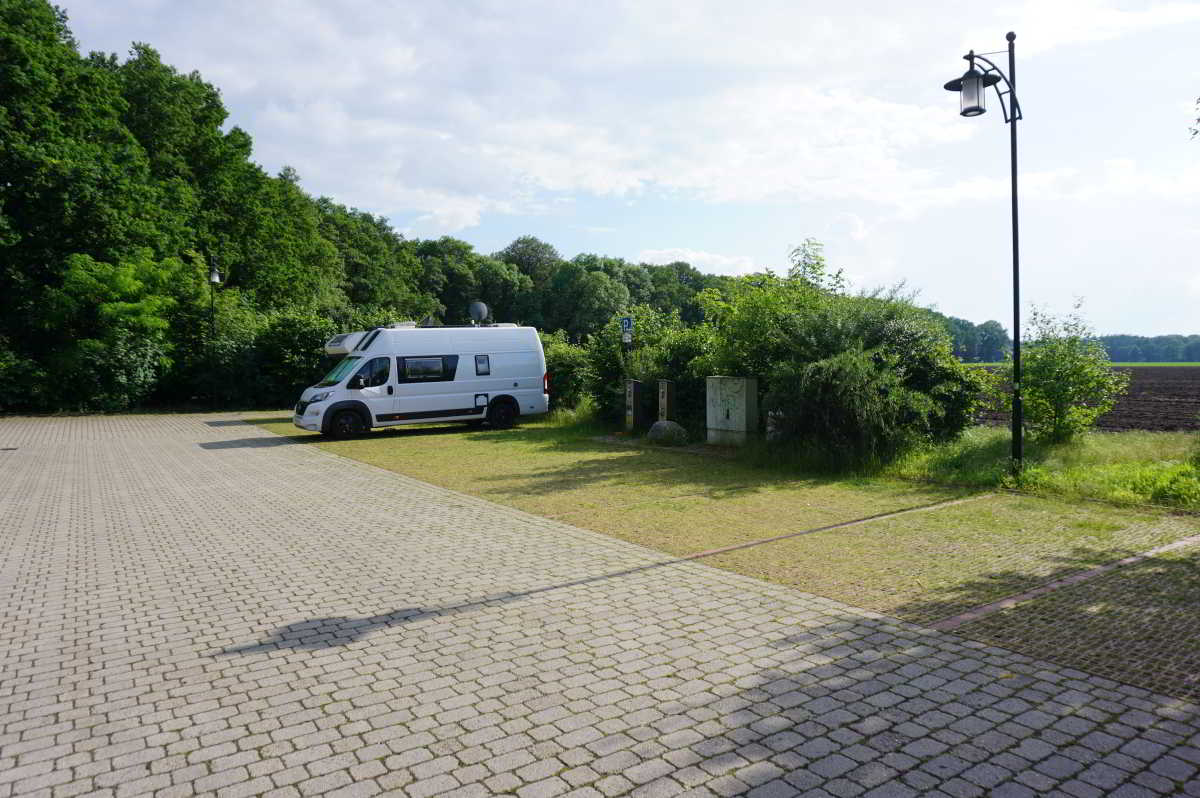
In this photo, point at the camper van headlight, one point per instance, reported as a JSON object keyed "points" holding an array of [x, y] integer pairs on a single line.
{"points": [[319, 397]]}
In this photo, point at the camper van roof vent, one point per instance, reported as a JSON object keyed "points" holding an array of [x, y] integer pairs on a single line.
{"points": [[403, 325]]}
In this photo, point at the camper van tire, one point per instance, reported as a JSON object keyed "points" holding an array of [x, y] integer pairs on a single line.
{"points": [[347, 424], [502, 414]]}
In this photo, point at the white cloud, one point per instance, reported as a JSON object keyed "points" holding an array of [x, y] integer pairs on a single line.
{"points": [[1044, 25], [710, 262], [449, 112]]}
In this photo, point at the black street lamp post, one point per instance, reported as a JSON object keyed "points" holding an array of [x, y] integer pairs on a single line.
{"points": [[972, 88], [214, 279]]}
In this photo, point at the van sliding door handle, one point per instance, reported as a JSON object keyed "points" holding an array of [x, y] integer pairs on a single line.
{"points": [[389, 390]]}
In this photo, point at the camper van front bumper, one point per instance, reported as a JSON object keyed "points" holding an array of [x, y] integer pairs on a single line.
{"points": [[309, 421], [312, 423]]}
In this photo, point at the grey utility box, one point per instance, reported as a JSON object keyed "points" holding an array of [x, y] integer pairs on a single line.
{"points": [[732, 409], [639, 414], [666, 400]]}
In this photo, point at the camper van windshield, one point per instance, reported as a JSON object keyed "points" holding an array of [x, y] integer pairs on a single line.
{"points": [[344, 367]]}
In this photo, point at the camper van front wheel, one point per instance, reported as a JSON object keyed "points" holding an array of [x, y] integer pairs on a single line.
{"points": [[501, 415], [346, 424]]}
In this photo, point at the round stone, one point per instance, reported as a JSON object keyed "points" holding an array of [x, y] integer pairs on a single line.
{"points": [[667, 433]]}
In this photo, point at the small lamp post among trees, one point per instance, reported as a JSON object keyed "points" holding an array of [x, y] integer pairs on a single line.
{"points": [[214, 279], [972, 88]]}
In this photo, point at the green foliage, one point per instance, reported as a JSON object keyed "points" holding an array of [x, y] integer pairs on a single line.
{"points": [[567, 366], [609, 364], [853, 379], [580, 301], [1178, 486], [290, 351], [1068, 380], [749, 323], [852, 408]]}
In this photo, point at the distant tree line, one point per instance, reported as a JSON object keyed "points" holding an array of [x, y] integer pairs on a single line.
{"points": [[1154, 349]]}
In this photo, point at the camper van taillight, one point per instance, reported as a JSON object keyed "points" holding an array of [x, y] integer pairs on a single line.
{"points": [[546, 383]]}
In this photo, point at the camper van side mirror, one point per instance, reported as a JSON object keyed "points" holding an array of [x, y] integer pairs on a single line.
{"points": [[356, 382]]}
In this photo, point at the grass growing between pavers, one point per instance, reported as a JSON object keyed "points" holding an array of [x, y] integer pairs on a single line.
{"points": [[1139, 624], [921, 566]]}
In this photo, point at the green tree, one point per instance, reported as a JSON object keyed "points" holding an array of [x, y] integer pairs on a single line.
{"points": [[380, 268], [1067, 379], [808, 264], [535, 259], [993, 342], [581, 301]]}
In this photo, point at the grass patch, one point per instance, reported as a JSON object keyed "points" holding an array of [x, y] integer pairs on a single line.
{"points": [[930, 565], [676, 502], [1121, 467]]}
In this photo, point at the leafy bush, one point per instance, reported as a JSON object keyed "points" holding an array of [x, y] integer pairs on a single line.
{"points": [[115, 373], [1178, 486], [609, 365], [852, 407], [290, 354], [22, 381], [848, 379], [1067, 379], [567, 365]]}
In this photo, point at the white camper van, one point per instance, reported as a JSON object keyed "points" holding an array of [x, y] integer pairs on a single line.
{"points": [[406, 374]]}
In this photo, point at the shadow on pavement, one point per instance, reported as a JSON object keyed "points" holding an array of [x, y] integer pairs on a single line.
{"points": [[265, 441], [320, 633]]}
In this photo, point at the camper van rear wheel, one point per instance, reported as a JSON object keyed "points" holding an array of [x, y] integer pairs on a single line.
{"points": [[501, 415], [346, 424]]}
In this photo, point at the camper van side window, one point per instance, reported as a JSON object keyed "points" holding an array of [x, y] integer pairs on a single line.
{"points": [[427, 369], [483, 365]]}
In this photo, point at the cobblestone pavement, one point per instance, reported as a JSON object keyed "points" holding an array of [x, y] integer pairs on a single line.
{"points": [[191, 605]]}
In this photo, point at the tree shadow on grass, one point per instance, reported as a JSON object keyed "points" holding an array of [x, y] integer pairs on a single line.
{"points": [[990, 587], [1136, 623]]}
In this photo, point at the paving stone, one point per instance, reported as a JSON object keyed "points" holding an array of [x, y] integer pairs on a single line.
{"points": [[193, 604]]}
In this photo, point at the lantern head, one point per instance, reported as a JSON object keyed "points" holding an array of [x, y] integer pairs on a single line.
{"points": [[972, 87]]}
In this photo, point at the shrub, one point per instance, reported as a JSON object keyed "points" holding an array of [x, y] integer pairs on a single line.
{"points": [[567, 365], [1067, 379], [609, 365], [852, 408], [290, 354], [114, 373], [22, 381]]}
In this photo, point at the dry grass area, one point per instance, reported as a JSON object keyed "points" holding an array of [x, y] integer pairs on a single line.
{"points": [[931, 565], [678, 503]]}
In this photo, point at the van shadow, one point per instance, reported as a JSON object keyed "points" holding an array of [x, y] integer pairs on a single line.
{"points": [[381, 436], [264, 442]]}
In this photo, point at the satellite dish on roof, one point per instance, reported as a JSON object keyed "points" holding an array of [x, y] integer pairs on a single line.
{"points": [[478, 311]]}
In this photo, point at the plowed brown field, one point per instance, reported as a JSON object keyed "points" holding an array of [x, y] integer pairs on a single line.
{"points": [[1159, 398]]}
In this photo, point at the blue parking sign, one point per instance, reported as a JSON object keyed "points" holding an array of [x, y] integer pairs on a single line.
{"points": [[627, 324]]}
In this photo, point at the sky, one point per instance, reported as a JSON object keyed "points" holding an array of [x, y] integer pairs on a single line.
{"points": [[725, 134]]}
